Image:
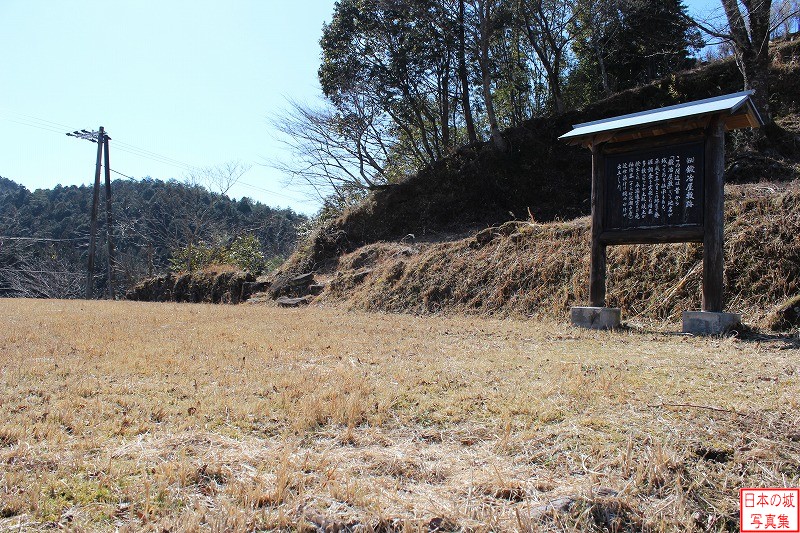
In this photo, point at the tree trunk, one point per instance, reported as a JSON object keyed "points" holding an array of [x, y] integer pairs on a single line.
{"points": [[444, 107], [603, 74], [462, 74], [555, 82], [752, 47], [552, 66], [755, 72], [497, 137], [485, 36]]}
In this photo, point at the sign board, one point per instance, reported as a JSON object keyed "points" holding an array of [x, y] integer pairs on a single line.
{"points": [[659, 188]]}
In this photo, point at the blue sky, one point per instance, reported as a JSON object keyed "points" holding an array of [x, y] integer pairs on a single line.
{"points": [[177, 84]]}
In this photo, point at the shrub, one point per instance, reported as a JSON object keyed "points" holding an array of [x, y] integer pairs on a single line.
{"points": [[244, 253]]}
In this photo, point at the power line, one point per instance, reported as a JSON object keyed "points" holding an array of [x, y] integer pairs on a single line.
{"points": [[139, 152], [182, 163], [37, 119], [121, 174], [274, 192], [150, 154], [41, 239], [54, 127], [163, 161], [45, 128]]}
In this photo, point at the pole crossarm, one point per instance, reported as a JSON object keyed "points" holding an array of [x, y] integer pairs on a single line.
{"points": [[86, 135]]}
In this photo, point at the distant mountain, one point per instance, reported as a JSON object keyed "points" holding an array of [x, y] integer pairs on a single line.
{"points": [[44, 234]]}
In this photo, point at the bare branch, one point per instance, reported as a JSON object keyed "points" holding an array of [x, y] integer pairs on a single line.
{"points": [[335, 149]]}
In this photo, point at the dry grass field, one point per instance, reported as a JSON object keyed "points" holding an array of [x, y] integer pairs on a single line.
{"points": [[168, 417]]}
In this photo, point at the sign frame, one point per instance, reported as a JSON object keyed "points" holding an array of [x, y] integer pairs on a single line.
{"points": [[709, 231], [704, 121]]}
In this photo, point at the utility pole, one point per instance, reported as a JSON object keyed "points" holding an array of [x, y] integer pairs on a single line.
{"points": [[101, 139], [109, 234], [93, 224]]}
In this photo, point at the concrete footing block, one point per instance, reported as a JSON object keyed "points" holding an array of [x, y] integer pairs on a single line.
{"points": [[709, 323], [596, 317]]}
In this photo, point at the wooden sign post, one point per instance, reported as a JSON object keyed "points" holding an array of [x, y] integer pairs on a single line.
{"points": [[657, 177]]}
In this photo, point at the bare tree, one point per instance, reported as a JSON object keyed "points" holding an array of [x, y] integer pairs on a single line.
{"points": [[191, 219], [794, 13], [785, 13], [596, 19], [334, 152], [749, 27], [463, 77], [547, 23], [197, 216], [33, 271], [482, 32], [217, 179]]}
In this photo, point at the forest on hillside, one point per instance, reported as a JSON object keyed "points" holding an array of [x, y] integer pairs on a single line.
{"points": [[158, 226], [409, 83]]}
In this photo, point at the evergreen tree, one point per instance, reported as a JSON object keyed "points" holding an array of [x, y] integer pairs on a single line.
{"points": [[621, 44]]}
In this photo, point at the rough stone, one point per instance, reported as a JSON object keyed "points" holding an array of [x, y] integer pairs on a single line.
{"points": [[292, 302], [316, 289], [361, 275], [203, 286], [302, 280], [365, 259], [596, 317], [786, 316], [291, 286], [709, 323], [253, 287]]}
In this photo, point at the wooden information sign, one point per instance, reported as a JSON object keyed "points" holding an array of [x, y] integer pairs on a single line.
{"points": [[660, 188], [657, 177]]}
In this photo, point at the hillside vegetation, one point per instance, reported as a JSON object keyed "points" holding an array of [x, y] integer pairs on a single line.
{"points": [[153, 221], [540, 191], [533, 269]]}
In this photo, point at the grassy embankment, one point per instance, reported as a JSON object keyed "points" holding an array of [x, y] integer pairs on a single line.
{"points": [[182, 417], [528, 268]]}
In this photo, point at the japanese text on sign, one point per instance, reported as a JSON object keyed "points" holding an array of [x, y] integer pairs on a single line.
{"points": [[657, 188]]}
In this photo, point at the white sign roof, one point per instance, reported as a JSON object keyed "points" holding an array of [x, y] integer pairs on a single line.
{"points": [[730, 103]]}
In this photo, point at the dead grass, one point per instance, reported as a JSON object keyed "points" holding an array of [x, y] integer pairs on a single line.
{"points": [[132, 416], [541, 270]]}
